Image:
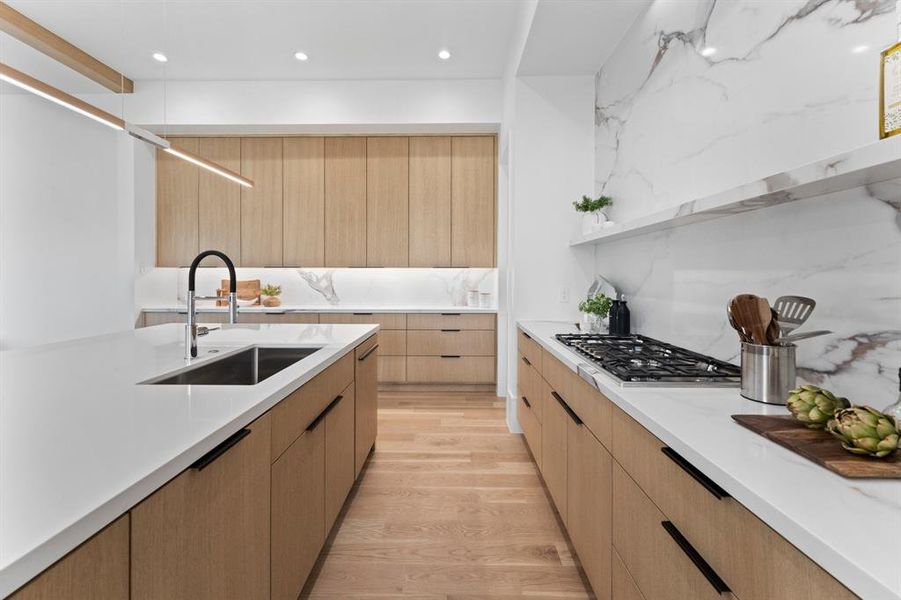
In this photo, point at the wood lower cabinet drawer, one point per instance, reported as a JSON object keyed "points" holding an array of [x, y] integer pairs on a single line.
{"points": [[660, 567], [278, 318], [531, 428], [392, 369], [623, 586], [461, 369], [383, 320], [585, 400], [529, 348], [392, 342], [530, 384], [554, 431], [451, 341], [450, 321], [727, 534]]}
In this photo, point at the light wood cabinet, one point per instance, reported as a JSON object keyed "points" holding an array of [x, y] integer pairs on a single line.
{"points": [[387, 201], [430, 201], [340, 427], [261, 205], [298, 512], [554, 429], [483, 321], [392, 369], [529, 391], [624, 587], [383, 320], [530, 349], [176, 206], [276, 318], [472, 202], [205, 534], [98, 569], [451, 369], [219, 201], [304, 201], [589, 510], [451, 341], [366, 399], [345, 202]]}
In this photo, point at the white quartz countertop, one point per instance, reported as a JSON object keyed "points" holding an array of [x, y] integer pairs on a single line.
{"points": [[850, 527], [82, 441], [203, 307]]}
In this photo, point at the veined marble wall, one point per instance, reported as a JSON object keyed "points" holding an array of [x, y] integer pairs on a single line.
{"points": [[781, 84]]}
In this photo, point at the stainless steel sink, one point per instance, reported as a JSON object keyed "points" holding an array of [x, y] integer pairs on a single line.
{"points": [[248, 367]]}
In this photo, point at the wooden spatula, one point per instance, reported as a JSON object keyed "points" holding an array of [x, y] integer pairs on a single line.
{"points": [[747, 309]]}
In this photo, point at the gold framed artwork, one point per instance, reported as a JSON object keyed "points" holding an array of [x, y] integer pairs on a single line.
{"points": [[890, 91]]}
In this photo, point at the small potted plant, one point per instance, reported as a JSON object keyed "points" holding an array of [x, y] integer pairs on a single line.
{"points": [[593, 215], [595, 311], [270, 295]]}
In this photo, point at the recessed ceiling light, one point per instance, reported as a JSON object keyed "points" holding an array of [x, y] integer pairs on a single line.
{"points": [[708, 51], [859, 49], [443, 54], [160, 57], [301, 56]]}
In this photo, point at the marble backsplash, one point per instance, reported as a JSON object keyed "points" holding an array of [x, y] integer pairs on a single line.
{"points": [[336, 288], [789, 82]]}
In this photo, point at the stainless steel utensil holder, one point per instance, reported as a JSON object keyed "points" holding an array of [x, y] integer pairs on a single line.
{"points": [[767, 372]]}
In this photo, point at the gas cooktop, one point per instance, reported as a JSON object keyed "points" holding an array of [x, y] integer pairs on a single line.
{"points": [[637, 360]]}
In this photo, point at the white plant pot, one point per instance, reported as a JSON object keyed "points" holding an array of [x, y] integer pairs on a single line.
{"points": [[593, 222]]}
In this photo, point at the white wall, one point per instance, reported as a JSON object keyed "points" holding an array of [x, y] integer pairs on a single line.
{"points": [[66, 224]]}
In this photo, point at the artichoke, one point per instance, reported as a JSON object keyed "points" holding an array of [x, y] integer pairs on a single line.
{"points": [[865, 430], [814, 406]]}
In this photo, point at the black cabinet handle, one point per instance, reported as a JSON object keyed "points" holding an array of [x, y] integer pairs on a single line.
{"points": [[450, 356], [526, 335], [572, 414], [207, 459], [526, 402], [707, 483], [368, 352], [325, 411], [706, 570], [450, 314], [363, 314], [450, 331], [526, 360]]}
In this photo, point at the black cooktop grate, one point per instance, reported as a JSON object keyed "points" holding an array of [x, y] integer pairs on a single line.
{"points": [[637, 358]]}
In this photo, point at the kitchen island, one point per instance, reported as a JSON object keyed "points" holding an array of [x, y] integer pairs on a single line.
{"points": [[83, 441], [677, 453]]}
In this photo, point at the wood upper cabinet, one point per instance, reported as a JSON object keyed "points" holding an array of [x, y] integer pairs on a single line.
{"points": [[366, 398], [472, 202], [176, 206], [345, 202], [98, 569], [205, 534], [339, 454], [304, 202], [219, 201], [298, 512], [430, 201], [261, 205], [387, 201]]}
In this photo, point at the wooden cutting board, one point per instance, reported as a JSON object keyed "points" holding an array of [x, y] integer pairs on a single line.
{"points": [[247, 290], [820, 447]]}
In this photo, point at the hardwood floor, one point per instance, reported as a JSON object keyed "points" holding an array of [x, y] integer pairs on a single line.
{"points": [[450, 507]]}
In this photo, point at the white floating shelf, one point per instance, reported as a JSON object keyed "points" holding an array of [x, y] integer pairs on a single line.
{"points": [[869, 164]]}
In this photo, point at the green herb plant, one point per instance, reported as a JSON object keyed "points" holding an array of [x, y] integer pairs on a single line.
{"points": [[599, 305], [590, 205], [271, 290]]}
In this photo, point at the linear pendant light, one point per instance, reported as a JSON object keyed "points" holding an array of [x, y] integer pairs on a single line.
{"points": [[48, 92]]}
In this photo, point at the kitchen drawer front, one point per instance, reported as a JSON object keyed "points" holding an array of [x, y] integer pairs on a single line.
{"points": [[450, 321], [383, 320], [728, 535], [291, 416], [278, 318], [624, 587], [392, 342], [451, 341], [392, 369], [554, 459], [530, 384], [531, 428], [662, 570], [529, 348], [586, 401], [439, 369]]}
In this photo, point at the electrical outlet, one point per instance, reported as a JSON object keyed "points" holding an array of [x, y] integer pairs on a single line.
{"points": [[564, 294]]}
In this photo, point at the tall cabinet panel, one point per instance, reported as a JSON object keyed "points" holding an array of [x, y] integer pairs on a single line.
{"points": [[472, 202], [219, 200], [345, 202], [304, 226], [176, 208], [430, 201], [387, 201], [261, 205]]}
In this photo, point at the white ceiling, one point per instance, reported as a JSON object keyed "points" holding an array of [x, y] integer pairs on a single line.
{"points": [[255, 40], [575, 37]]}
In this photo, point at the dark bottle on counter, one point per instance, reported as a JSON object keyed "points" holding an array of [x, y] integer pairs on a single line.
{"points": [[619, 318]]}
